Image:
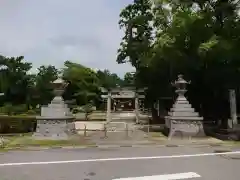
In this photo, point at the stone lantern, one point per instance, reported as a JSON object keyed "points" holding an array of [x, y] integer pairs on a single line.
{"points": [[56, 121], [59, 87], [181, 85], [182, 117]]}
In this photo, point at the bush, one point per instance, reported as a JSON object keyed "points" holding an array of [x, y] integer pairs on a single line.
{"points": [[88, 108], [17, 124], [20, 108], [77, 110], [37, 110], [31, 112], [6, 109], [13, 109]]}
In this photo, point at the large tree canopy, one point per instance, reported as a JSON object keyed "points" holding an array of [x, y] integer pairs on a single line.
{"points": [[108, 79], [15, 81], [83, 82], [199, 39], [43, 89], [22, 87]]}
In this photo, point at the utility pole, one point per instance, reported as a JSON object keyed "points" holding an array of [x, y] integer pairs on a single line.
{"points": [[233, 106]]}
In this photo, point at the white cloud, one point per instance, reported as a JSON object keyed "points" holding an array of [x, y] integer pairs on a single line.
{"points": [[52, 31]]}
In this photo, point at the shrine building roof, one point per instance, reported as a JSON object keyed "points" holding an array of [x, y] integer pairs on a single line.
{"points": [[119, 89]]}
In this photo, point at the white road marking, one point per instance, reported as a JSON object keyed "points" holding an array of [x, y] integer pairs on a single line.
{"points": [[117, 159], [177, 176]]}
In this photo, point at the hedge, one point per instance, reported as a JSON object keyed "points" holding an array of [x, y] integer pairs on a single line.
{"points": [[17, 124], [26, 123]]}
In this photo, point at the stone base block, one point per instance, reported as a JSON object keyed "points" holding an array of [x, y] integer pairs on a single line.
{"points": [[186, 128], [54, 129]]}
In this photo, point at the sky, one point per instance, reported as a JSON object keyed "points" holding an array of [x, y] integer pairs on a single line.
{"points": [[49, 32]]}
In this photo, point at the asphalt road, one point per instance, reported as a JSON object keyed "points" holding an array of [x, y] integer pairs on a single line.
{"points": [[149, 163]]}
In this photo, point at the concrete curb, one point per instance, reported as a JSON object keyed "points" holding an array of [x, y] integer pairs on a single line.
{"points": [[121, 146]]}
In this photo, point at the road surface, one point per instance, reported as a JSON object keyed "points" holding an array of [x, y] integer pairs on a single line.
{"points": [[145, 163]]}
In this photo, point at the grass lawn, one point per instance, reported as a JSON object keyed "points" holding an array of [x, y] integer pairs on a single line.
{"points": [[156, 134], [237, 143], [25, 141], [159, 137]]}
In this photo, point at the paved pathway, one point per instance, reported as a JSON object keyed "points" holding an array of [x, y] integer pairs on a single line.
{"points": [[117, 134], [116, 163]]}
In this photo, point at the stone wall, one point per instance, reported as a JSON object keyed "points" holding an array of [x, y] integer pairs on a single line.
{"points": [[90, 125]]}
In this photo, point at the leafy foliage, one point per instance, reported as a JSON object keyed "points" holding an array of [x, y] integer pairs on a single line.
{"points": [[15, 81], [197, 38], [43, 89], [24, 91], [135, 20], [129, 79], [83, 82], [109, 80]]}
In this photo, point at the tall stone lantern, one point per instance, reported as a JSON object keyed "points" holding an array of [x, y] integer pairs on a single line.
{"points": [[182, 117], [181, 87], [56, 121]]}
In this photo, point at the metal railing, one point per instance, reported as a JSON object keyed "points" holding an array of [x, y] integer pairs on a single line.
{"points": [[129, 130], [126, 128]]}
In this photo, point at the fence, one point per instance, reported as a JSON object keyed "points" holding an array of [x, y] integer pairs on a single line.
{"points": [[123, 129], [119, 130]]}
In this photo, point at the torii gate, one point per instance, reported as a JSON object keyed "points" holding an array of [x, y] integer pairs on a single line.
{"points": [[127, 93]]}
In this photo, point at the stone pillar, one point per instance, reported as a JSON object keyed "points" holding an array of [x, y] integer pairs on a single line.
{"points": [[136, 108], [158, 107], [109, 107], [233, 107]]}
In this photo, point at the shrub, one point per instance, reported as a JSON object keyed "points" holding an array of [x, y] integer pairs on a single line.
{"points": [[77, 110], [17, 124], [31, 112], [6, 109], [13, 109], [37, 110], [88, 108], [20, 108]]}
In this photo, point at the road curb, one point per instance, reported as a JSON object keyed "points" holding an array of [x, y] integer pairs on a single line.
{"points": [[128, 146], [122, 146]]}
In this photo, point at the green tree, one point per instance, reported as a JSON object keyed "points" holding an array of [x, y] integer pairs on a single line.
{"points": [[129, 79], [109, 80], [196, 38], [135, 20], [200, 41], [83, 83], [43, 85], [15, 81]]}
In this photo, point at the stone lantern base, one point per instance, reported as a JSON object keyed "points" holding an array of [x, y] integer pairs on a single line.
{"points": [[183, 119], [54, 128], [56, 122]]}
